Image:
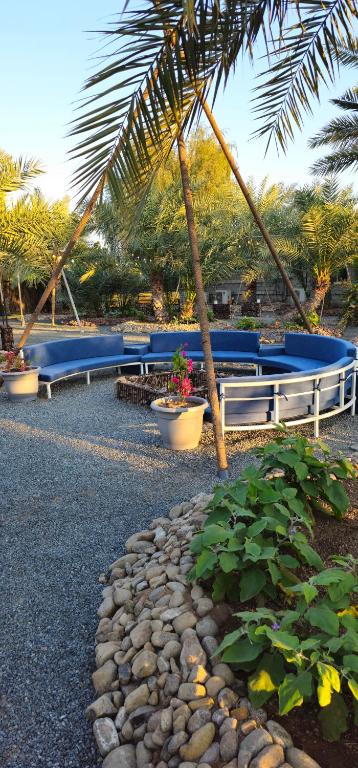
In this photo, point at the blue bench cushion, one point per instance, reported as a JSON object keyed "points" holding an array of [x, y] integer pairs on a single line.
{"points": [[52, 352], [325, 348], [237, 341], [167, 357], [62, 369], [291, 362], [170, 341]]}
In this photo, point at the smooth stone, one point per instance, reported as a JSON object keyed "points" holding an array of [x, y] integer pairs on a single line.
{"points": [[206, 626], [137, 698], [210, 645], [260, 715], [214, 685], [198, 719], [142, 754], [141, 634], [171, 649], [106, 735], [269, 757], [186, 620], [121, 596], [199, 743], [192, 653], [241, 713], [187, 765], [207, 702], [211, 756], [279, 734], [144, 664], [176, 600], [247, 726], [198, 674], [227, 698], [121, 757], [176, 741], [121, 718], [191, 691], [124, 673], [299, 759], [176, 586], [166, 720], [101, 707], [224, 671], [204, 606], [229, 724], [141, 715], [196, 593], [252, 745], [160, 639], [229, 745], [172, 613], [106, 608], [103, 677], [172, 684], [106, 651]]}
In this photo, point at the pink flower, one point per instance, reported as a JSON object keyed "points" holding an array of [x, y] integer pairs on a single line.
{"points": [[190, 365], [175, 380], [183, 353]]}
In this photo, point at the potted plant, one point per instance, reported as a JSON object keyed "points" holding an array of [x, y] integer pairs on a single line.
{"points": [[180, 415], [21, 381]]}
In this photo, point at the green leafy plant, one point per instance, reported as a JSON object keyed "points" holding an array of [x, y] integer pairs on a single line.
{"points": [[248, 324], [317, 480], [310, 650]]}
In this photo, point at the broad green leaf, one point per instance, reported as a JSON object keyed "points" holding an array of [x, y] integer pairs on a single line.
{"points": [[274, 572], [228, 561], [322, 617], [329, 681], [350, 661], [251, 583], [266, 679], [309, 592], [289, 694], [283, 640], [344, 587], [256, 528], [252, 549], [214, 534], [288, 561], [338, 497], [333, 718], [205, 562], [289, 493], [310, 488], [353, 687], [229, 639], [242, 651], [308, 553], [222, 586], [289, 457], [238, 492], [301, 470]]}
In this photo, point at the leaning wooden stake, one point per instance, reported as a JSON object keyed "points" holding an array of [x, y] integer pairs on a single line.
{"points": [[245, 191], [202, 311], [62, 261]]}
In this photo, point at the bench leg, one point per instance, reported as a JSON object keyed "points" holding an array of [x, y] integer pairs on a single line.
{"points": [[141, 369], [88, 378], [146, 368], [48, 391]]}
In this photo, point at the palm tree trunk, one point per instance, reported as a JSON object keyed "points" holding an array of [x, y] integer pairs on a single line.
{"points": [[202, 311], [53, 307], [62, 261], [321, 288], [157, 286], [245, 191]]}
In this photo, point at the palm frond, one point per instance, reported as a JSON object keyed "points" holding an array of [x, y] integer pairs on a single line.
{"points": [[336, 162], [16, 174]]}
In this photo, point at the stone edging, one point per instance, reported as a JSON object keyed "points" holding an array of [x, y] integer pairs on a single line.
{"points": [[164, 700]]}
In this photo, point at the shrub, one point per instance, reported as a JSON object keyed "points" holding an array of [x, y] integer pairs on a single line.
{"points": [[248, 324], [309, 651]]}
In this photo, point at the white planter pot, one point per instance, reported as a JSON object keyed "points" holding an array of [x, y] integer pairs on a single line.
{"points": [[180, 427], [21, 385]]}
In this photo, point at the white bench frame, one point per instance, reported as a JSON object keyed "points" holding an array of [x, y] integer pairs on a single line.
{"points": [[48, 384], [347, 372]]}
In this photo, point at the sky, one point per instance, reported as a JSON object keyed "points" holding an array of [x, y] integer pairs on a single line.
{"points": [[46, 52]]}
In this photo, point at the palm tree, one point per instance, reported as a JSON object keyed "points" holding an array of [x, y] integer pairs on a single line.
{"points": [[149, 92], [341, 133]]}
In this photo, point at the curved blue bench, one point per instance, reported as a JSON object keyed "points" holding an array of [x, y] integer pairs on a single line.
{"points": [[307, 378], [62, 359]]}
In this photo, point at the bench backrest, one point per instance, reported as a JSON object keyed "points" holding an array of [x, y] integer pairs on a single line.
{"points": [[51, 352], [240, 341], [319, 347]]}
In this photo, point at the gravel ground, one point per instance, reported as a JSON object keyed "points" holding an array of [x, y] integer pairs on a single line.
{"points": [[78, 475]]}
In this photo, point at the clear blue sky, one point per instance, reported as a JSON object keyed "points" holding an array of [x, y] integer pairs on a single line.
{"points": [[45, 55]]}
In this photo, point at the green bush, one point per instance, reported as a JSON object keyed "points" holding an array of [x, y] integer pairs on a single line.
{"points": [[211, 316], [255, 545], [307, 651], [248, 324]]}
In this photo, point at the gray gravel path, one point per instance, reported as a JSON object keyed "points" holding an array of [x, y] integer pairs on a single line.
{"points": [[78, 475]]}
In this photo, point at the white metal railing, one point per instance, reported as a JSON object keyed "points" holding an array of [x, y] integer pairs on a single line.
{"points": [[315, 387]]}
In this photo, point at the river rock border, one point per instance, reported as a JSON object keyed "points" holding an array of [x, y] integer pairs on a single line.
{"points": [[164, 700]]}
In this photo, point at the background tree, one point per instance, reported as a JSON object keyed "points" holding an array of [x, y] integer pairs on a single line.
{"points": [[341, 133]]}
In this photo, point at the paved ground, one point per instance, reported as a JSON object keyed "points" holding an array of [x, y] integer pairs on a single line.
{"points": [[78, 475]]}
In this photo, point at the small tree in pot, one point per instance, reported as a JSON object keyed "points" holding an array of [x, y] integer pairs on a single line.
{"points": [[20, 380], [180, 415]]}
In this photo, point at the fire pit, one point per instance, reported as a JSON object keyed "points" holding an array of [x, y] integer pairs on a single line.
{"points": [[142, 390]]}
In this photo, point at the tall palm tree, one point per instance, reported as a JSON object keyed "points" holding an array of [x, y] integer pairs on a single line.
{"points": [[341, 133], [149, 92]]}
